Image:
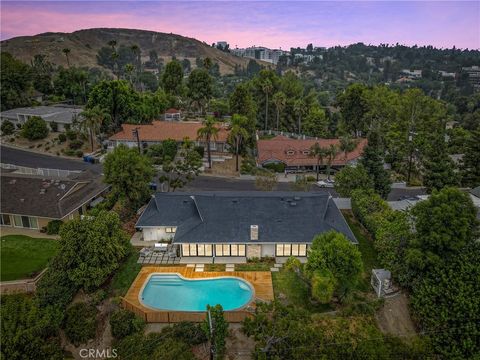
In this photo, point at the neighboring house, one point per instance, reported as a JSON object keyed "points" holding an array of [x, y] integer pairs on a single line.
{"points": [[475, 196], [33, 201], [172, 115], [236, 226], [295, 153], [159, 131], [406, 203], [62, 115]]}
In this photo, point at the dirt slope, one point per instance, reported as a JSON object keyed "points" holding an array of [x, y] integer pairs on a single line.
{"points": [[84, 45]]}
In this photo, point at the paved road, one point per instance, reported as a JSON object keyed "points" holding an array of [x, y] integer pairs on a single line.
{"points": [[31, 159], [10, 155]]}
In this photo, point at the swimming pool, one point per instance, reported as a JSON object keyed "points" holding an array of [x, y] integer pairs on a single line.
{"points": [[174, 292]]}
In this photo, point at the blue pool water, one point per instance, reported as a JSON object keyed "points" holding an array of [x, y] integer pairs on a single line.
{"points": [[172, 292]]}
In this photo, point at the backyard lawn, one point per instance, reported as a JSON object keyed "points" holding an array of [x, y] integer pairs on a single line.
{"points": [[24, 257], [126, 273]]}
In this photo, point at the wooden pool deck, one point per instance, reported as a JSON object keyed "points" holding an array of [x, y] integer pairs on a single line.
{"points": [[260, 280]]}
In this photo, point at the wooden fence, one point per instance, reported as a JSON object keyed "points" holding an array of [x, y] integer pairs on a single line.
{"points": [[21, 286], [151, 316]]}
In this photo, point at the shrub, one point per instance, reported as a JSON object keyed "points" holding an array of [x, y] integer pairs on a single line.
{"points": [[311, 178], [98, 296], [53, 227], [69, 152], [352, 178], [200, 150], [62, 138], [275, 167], [71, 134], [7, 127], [79, 153], [54, 126], [125, 323], [190, 333], [80, 323], [369, 208], [248, 165], [35, 128], [75, 144], [292, 264]]}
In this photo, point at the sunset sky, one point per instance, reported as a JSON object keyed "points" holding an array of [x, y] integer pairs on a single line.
{"points": [[273, 24]]}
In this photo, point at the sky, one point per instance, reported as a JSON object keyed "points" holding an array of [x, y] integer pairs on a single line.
{"points": [[274, 24]]}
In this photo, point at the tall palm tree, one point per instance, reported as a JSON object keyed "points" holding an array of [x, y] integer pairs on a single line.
{"points": [[238, 134], [138, 63], [347, 144], [332, 152], [267, 88], [208, 132], [129, 70], [319, 153], [280, 100], [66, 51], [299, 108], [92, 121], [115, 57]]}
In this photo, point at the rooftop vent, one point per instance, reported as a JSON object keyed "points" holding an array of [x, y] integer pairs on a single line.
{"points": [[293, 204], [253, 232], [13, 181], [296, 198]]}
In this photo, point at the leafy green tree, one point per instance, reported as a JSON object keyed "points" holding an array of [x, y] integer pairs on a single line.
{"points": [[207, 133], [71, 83], [129, 173], [352, 178], [166, 151], [216, 330], [318, 153], [267, 88], [124, 323], [35, 128], [92, 121], [66, 52], [28, 332], [172, 349], [438, 167], [265, 180], [80, 323], [323, 285], [182, 170], [372, 160], [279, 99], [445, 224], [15, 81], [200, 88], [347, 144], [316, 122], [447, 303], [42, 74], [92, 248], [470, 169], [369, 208], [241, 101], [172, 78], [333, 252], [353, 107], [7, 127], [238, 134], [115, 98], [332, 152], [299, 107]]}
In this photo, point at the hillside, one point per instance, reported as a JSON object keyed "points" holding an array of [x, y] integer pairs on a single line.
{"points": [[84, 45]]}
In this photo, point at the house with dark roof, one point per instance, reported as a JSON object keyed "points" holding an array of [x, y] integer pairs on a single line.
{"points": [[295, 153], [31, 202], [61, 115], [159, 131], [236, 226]]}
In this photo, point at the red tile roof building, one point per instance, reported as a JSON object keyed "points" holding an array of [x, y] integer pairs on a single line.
{"points": [[159, 131], [296, 152]]}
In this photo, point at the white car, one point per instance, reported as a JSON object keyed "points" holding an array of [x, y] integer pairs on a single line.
{"points": [[325, 183]]}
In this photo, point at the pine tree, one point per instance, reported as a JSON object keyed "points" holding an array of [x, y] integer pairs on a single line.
{"points": [[471, 161], [438, 167], [372, 161]]}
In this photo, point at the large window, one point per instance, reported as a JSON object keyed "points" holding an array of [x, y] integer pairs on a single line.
{"points": [[170, 229], [197, 250], [229, 250], [5, 220], [291, 250], [25, 222]]}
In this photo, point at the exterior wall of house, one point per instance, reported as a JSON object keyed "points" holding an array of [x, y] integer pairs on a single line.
{"points": [[161, 233], [214, 146], [254, 251], [268, 250], [19, 221]]}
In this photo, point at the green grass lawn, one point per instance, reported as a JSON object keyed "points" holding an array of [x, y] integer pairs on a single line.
{"points": [[126, 273], [369, 254], [24, 257], [288, 287]]}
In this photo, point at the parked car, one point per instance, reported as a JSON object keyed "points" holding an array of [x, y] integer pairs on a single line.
{"points": [[325, 183]]}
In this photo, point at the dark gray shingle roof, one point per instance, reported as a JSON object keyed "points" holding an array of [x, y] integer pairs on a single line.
{"points": [[220, 217]]}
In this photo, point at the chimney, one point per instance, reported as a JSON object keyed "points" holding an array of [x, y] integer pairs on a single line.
{"points": [[253, 232]]}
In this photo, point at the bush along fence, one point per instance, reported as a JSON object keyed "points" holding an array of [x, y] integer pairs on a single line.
{"points": [[390, 230]]}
